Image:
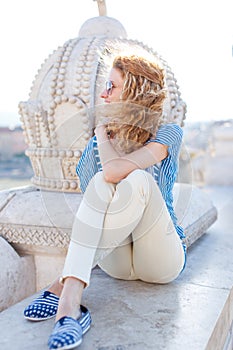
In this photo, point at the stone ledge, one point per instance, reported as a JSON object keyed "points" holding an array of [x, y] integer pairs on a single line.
{"points": [[130, 315], [195, 230], [222, 335]]}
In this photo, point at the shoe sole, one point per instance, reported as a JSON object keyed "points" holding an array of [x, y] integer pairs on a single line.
{"points": [[34, 319], [72, 346]]}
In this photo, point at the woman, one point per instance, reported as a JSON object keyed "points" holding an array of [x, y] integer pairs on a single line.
{"points": [[126, 222]]}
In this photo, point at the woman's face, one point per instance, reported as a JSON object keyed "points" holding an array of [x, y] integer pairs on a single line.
{"points": [[114, 86]]}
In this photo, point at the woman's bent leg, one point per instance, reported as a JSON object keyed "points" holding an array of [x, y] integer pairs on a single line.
{"points": [[158, 254], [157, 250], [87, 229], [105, 220], [119, 263]]}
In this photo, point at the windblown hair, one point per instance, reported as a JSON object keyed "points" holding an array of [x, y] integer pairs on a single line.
{"points": [[142, 100]]}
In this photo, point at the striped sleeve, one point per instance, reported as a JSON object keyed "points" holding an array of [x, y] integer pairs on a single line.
{"points": [[87, 166], [169, 134]]}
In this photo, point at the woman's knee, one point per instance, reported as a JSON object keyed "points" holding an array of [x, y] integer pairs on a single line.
{"points": [[141, 177], [99, 188], [97, 178], [141, 182]]}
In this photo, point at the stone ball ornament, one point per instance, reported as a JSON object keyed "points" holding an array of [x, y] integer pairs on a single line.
{"points": [[56, 119]]}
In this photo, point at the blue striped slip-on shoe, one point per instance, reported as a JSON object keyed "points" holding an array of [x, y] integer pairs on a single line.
{"points": [[68, 332], [42, 308]]}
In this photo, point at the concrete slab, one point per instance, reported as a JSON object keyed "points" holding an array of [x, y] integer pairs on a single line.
{"points": [[186, 314]]}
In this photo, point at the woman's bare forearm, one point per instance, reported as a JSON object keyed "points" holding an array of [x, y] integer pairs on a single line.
{"points": [[116, 166]]}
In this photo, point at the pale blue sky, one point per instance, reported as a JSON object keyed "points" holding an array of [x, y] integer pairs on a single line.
{"points": [[194, 37]]}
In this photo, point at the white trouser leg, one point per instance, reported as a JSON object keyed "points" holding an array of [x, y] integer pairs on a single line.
{"points": [[157, 253], [103, 225]]}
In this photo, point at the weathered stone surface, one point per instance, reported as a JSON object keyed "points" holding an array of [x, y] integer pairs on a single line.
{"points": [[129, 316], [18, 275], [223, 330]]}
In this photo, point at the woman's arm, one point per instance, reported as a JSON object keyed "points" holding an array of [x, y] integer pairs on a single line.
{"points": [[116, 167]]}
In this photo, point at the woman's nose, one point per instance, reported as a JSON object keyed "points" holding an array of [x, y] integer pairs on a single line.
{"points": [[104, 94]]}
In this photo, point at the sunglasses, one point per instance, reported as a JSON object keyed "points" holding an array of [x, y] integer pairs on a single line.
{"points": [[109, 86]]}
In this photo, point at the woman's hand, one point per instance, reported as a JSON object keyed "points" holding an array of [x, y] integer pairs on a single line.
{"points": [[101, 134], [100, 130], [117, 166]]}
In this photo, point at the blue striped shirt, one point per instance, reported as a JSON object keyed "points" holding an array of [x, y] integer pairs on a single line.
{"points": [[164, 173]]}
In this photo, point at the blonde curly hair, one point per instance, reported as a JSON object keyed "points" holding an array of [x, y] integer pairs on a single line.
{"points": [[141, 104]]}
